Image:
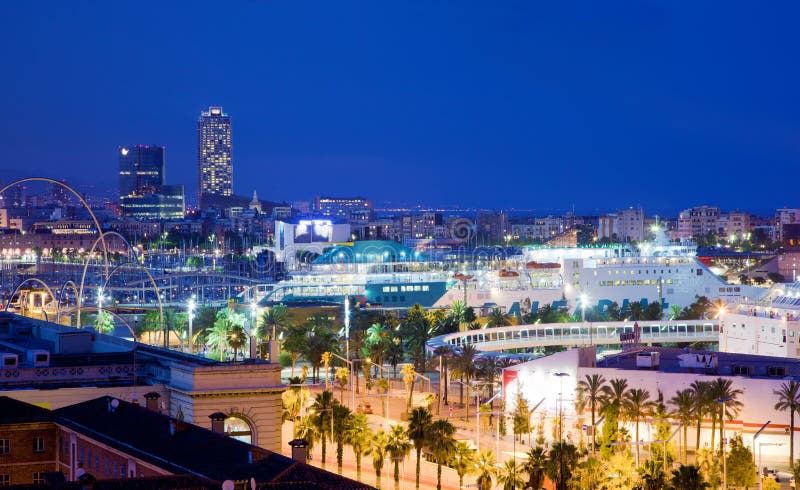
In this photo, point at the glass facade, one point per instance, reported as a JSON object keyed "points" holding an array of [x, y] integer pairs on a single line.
{"points": [[141, 170], [214, 153]]}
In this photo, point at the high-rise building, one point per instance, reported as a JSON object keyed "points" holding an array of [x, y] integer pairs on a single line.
{"points": [[342, 207], [142, 193], [141, 169], [214, 154]]}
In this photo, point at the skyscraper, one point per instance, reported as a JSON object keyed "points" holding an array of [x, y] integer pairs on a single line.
{"points": [[142, 193], [214, 154], [141, 170]]}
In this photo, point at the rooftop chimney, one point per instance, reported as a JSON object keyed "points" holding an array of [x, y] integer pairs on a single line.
{"points": [[152, 401], [218, 422]]}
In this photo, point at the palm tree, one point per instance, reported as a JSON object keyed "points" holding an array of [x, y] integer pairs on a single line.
{"points": [[306, 430], [465, 368], [378, 340], [409, 376], [398, 447], [497, 318], [463, 461], [590, 392], [486, 468], [323, 409], [684, 406], [272, 318], [295, 343], [358, 436], [510, 477], [560, 463], [612, 405], [534, 467], [789, 399], [294, 399], [417, 330], [378, 450], [442, 444], [237, 338], [327, 357], [687, 477], [217, 337], [342, 418], [443, 353], [637, 405], [419, 430], [722, 389], [342, 375], [701, 394]]}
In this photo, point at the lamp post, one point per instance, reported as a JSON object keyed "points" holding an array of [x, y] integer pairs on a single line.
{"points": [[252, 334], [758, 470], [190, 316], [755, 436], [561, 405], [722, 442], [99, 319]]}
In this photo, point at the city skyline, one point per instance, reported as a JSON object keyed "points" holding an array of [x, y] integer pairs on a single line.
{"points": [[629, 106]]}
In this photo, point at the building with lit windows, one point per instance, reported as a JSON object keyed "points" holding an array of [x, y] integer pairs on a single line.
{"points": [[342, 207], [167, 203], [142, 192], [214, 154]]}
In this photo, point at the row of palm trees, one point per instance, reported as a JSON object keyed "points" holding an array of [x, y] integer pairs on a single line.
{"points": [[328, 421], [716, 399]]}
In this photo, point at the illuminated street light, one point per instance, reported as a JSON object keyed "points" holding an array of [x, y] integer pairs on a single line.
{"points": [[723, 442], [190, 315]]}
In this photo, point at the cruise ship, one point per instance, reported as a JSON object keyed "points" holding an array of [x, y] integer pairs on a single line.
{"points": [[389, 275]]}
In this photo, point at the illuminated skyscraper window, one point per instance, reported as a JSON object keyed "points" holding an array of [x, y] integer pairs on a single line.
{"points": [[214, 153]]}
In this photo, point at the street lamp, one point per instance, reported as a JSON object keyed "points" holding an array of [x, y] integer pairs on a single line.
{"points": [[100, 298], [758, 470], [190, 316], [722, 443], [561, 405]]}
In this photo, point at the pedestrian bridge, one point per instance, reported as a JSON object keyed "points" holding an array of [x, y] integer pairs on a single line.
{"points": [[580, 334]]}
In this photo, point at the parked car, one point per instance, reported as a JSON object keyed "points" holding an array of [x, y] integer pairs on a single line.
{"points": [[364, 408]]}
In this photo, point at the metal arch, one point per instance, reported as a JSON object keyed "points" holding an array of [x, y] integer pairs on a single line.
{"points": [[155, 286], [86, 263], [34, 279], [74, 193], [68, 282]]}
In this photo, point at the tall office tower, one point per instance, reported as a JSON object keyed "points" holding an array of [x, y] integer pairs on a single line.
{"points": [[214, 154], [142, 193], [141, 170]]}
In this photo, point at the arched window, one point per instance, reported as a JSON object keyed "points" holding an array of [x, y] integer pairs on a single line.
{"points": [[239, 428]]}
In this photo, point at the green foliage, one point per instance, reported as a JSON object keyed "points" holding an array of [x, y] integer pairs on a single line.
{"points": [[789, 400], [534, 466], [521, 420], [441, 443], [697, 310], [561, 462], [285, 359], [510, 477], [415, 331], [688, 477], [486, 468], [741, 470], [419, 431], [103, 322], [463, 461]]}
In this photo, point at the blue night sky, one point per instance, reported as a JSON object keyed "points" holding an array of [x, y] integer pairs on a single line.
{"points": [[536, 105]]}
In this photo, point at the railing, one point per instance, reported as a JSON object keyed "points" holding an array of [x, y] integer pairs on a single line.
{"points": [[65, 374], [579, 334]]}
